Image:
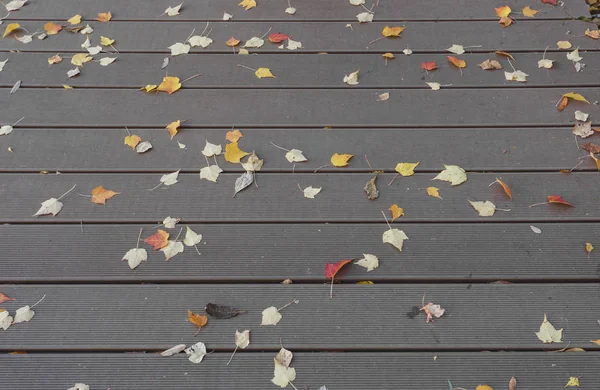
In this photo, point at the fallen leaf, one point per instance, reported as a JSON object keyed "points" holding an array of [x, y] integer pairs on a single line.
{"points": [[278, 37], [253, 164], [158, 240], [597, 342], [10, 28], [196, 352], [407, 52], [169, 84], [544, 63], [15, 87], [270, 316], [512, 384], [432, 310], [104, 17], [247, 4], [434, 192], [135, 256], [284, 357], [357, 2], [516, 76], [191, 237], [564, 45], [231, 42], [485, 209], [242, 339], [173, 127], [392, 31], [588, 248], [429, 66], [575, 96], [170, 178], [383, 97], [15, 5], [505, 187], [453, 174], [503, 11], [212, 150], [370, 262], [583, 129], [5, 320], [282, 375], [2, 63], [243, 182], [371, 189], [50, 206], [179, 48], [80, 59], [592, 148], [170, 222], [197, 319], [558, 199], [150, 88], [4, 298], [107, 61], [549, 334], [340, 160], [233, 153], [457, 62], [52, 28], [94, 50], [456, 49], [262, 73], [310, 192], [143, 147], [173, 11], [198, 40], [79, 386], [535, 229], [595, 34], [573, 382], [233, 136], [406, 169], [395, 237], [26, 38], [490, 64], [397, 212], [365, 17], [87, 30], [227, 16], [528, 12], [352, 78], [105, 41], [222, 312], [101, 194], [23, 314], [505, 21], [484, 387], [434, 86], [574, 56], [551, 2], [293, 45], [581, 116], [210, 173], [254, 42], [295, 155], [504, 54], [290, 10], [173, 350]]}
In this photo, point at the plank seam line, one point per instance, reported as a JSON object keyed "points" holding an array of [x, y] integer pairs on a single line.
{"points": [[166, 52], [330, 126], [298, 21], [282, 171]]}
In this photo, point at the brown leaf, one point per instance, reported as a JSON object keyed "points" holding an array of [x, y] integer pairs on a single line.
{"points": [[222, 312], [583, 129], [231, 42], [490, 64], [371, 189], [563, 103], [592, 148], [512, 384]]}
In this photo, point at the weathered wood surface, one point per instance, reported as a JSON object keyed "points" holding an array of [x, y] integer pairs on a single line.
{"points": [[357, 371], [294, 107], [271, 253], [367, 317], [341, 200], [307, 10], [300, 71], [317, 37]]}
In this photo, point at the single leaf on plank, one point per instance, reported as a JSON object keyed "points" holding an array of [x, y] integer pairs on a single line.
{"points": [[528, 12], [574, 56], [535, 229], [352, 78], [558, 199], [490, 65], [456, 49], [457, 62], [293, 45], [4, 298], [484, 387], [588, 248], [101, 194], [212, 150], [173, 11], [243, 182], [5, 320], [290, 10], [340, 160], [52, 28], [173, 350], [15, 5], [332, 269], [590, 147], [23, 314], [196, 352], [505, 21], [170, 84], [370, 262], [594, 34], [191, 237], [278, 37], [392, 31], [197, 319], [284, 357], [222, 312], [573, 382], [581, 116], [242, 340], [135, 256], [173, 128], [11, 28], [105, 41], [55, 59], [158, 240], [433, 85], [453, 174], [233, 135], [432, 310], [564, 45], [282, 375], [517, 75], [429, 66], [512, 384], [247, 4], [545, 63], [365, 17], [231, 42], [548, 333], [199, 40], [104, 17], [254, 42], [397, 212], [79, 386], [76, 19], [485, 209], [505, 187], [143, 147], [433, 192], [80, 59], [395, 237], [233, 153], [262, 73], [371, 189], [295, 155], [170, 178], [383, 97], [503, 11], [170, 222], [107, 61], [271, 316], [406, 168], [310, 192]]}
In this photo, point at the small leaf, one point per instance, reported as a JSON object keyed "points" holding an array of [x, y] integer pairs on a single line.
{"points": [[233, 153], [503, 11], [573, 382], [222, 312], [101, 194], [173, 128], [589, 248], [295, 155], [558, 199], [310, 192], [352, 78], [52, 28], [490, 65], [210, 173], [173, 11], [212, 149], [535, 229], [231, 42], [278, 37], [395, 237], [456, 49], [406, 168], [197, 319], [4, 298], [485, 209], [549, 334], [270, 316], [340, 160], [233, 136], [371, 189], [243, 182], [453, 174], [397, 212], [173, 350], [158, 240], [505, 187], [370, 262], [23, 314], [564, 45], [10, 28], [392, 31], [528, 12], [457, 62], [429, 66], [170, 84], [433, 192], [104, 17], [262, 73]]}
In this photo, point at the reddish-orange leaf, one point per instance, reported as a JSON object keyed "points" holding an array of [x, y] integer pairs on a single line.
{"points": [[507, 190], [457, 62], [278, 37], [173, 128], [558, 199], [197, 319], [233, 135], [104, 17], [551, 2], [231, 42], [332, 269], [4, 298], [505, 21], [428, 65], [158, 240], [100, 194], [563, 103]]}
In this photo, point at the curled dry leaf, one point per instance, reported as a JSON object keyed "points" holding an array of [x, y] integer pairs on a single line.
{"points": [[594, 34], [558, 199], [222, 312], [76, 19], [173, 128], [11, 28], [583, 129], [505, 187], [453, 174], [370, 262], [548, 333], [490, 64], [55, 59], [173, 350], [105, 41], [173, 11], [371, 189], [340, 160], [432, 310], [197, 319], [512, 384]]}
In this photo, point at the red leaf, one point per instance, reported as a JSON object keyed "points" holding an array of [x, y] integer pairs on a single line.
{"points": [[428, 65], [4, 298], [558, 199], [332, 269], [158, 240], [278, 37], [551, 2]]}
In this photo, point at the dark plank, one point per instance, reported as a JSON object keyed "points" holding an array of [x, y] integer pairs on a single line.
{"points": [[380, 316], [278, 198], [459, 253], [202, 10], [336, 370], [323, 37], [296, 70], [76, 150], [315, 108]]}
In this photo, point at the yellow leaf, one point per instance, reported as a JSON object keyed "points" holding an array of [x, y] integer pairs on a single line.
{"points": [[397, 212], [233, 135], [132, 140], [576, 96], [197, 319], [11, 28], [173, 127], [52, 28], [388, 55], [104, 17], [503, 11], [233, 154], [169, 84], [75, 20], [434, 192], [484, 387], [247, 4], [104, 41], [597, 342], [149, 87], [589, 248], [365, 282], [457, 62], [341, 160], [406, 169], [505, 54], [80, 59], [564, 45], [593, 33], [55, 59], [392, 31], [528, 12], [264, 73], [485, 209], [573, 382], [65, 86]]}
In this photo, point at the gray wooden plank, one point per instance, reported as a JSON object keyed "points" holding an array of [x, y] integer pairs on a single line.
{"points": [[278, 198], [76, 150], [329, 37], [201, 10], [297, 70], [335, 370], [314, 108], [435, 252], [379, 316]]}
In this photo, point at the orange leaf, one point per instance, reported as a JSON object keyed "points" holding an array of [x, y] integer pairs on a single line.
{"points": [[132, 140], [503, 11], [457, 62], [100, 194], [278, 37], [231, 42], [397, 212], [197, 319], [507, 190], [332, 269], [173, 127], [505, 54], [104, 17], [558, 199], [563, 103], [52, 28], [158, 240], [169, 84], [595, 34], [233, 136], [4, 298], [428, 65], [596, 160], [55, 59]]}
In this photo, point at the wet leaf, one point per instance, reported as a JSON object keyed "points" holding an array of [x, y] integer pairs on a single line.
{"points": [[433, 192], [173, 11], [406, 168], [453, 174], [395, 237], [282, 375], [558, 199], [485, 209], [23, 314], [158, 240], [243, 182], [397, 212], [101, 194], [549, 334], [222, 312], [371, 189], [233, 153], [370, 262], [295, 155], [340, 160]]}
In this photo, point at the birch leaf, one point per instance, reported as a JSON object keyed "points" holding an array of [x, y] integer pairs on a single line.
{"points": [[242, 339], [357, 2], [179, 48], [254, 42], [5, 320], [107, 60], [573, 382], [210, 173], [50, 206], [6, 130], [27, 38], [581, 116], [243, 182], [196, 352], [485, 209], [456, 49], [262, 73], [87, 30], [490, 65], [10, 28], [198, 40], [548, 334], [433, 192], [406, 168], [516, 76], [170, 222], [227, 16], [365, 17], [295, 155], [370, 262], [528, 12], [395, 237], [352, 78], [173, 248], [397, 212], [173, 11], [143, 147], [545, 63], [135, 257], [105, 41], [76, 19], [79, 386], [290, 10], [253, 164], [247, 4], [15, 5], [310, 192], [173, 350], [80, 59], [340, 160], [293, 45], [271, 316], [23, 314], [170, 178], [564, 45], [433, 85], [212, 149], [282, 375], [191, 237], [589, 248], [453, 174], [574, 56]]}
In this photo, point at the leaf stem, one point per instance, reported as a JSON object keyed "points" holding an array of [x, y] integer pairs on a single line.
{"points": [[268, 31], [128, 132], [137, 245], [386, 221], [232, 355], [152, 189], [322, 166], [35, 304], [277, 146], [180, 230], [192, 77], [394, 178], [288, 304], [539, 204], [331, 288], [246, 67], [203, 31], [14, 124], [65, 194], [367, 160], [188, 38]]}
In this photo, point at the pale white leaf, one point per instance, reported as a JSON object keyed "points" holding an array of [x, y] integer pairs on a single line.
{"points": [[170, 222], [227, 16], [357, 2], [243, 182], [15, 87], [581, 116], [87, 30], [293, 45], [210, 173], [574, 56], [545, 63], [25, 38], [179, 48], [199, 40], [196, 352], [579, 66], [243, 51], [173, 11], [370, 262], [433, 85], [107, 60], [284, 357], [242, 339], [365, 17], [254, 42], [383, 97], [173, 350], [15, 5], [290, 10], [583, 129], [453, 174], [42, 36], [352, 78], [5, 320], [212, 149], [6, 129], [517, 75], [548, 333], [181, 146], [271, 316], [73, 72], [23, 314], [485, 209], [79, 386], [135, 256], [93, 50], [50, 206], [282, 375], [295, 155], [2, 63], [535, 229], [173, 248], [143, 147], [191, 237], [310, 192], [86, 43], [456, 49], [165, 63], [407, 52], [170, 178], [395, 237], [253, 164]]}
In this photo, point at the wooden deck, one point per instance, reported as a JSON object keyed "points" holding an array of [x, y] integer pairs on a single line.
{"points": [[103, 324]]}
